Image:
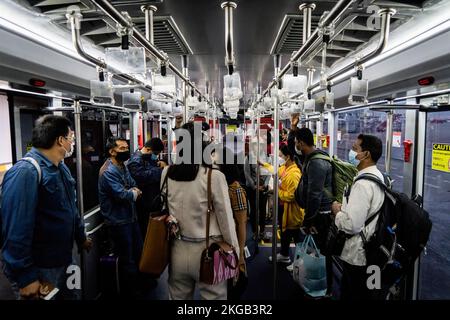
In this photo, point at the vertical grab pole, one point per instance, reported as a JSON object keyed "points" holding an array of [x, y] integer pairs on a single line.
{"points": [[258, 171], [276, 147], [77, 119], [184, 66], [389, 125], [169, 139]]}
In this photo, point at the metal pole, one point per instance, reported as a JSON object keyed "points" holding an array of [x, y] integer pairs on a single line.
{"points": [[169, 140], [275, 196], [319, 132], [229, 58], [336, 12], [276, 148], [258, 177], [77, 120], [389, 125], [104, 127], [160, 126], [307, 9], [79, 166], [184, 66], [134, 126], [331, 127], [114, 14], [149, 11]]}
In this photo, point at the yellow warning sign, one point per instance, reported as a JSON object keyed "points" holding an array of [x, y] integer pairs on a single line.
{"points": [[441, 157]]}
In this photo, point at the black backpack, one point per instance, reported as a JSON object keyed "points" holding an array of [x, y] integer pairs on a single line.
{"points": [[401, 233]]}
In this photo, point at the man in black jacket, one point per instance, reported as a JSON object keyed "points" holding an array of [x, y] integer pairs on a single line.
{"points": [[315, 191], [146, 169]]}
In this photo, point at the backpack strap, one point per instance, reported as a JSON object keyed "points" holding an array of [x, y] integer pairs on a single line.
{"points": [[382, 185], [36, 165]]}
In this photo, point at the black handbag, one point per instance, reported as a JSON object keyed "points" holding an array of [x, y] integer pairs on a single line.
{"points": [[335, 241]]}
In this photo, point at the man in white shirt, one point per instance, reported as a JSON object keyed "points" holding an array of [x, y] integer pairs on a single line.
{"points": [[365, 199]]}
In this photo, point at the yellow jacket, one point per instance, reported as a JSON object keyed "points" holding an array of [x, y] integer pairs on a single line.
{"points": [[290, 178]]}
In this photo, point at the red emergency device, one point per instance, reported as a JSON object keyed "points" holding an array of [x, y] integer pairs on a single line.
{"points": [[407, 144]]}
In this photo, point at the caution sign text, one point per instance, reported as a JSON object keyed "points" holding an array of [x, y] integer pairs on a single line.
{"points": [[441, 157]]}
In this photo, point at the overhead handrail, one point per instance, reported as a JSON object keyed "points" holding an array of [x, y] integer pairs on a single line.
{"points": [[114, 14], [75, 23], [336, 12], [385, 15]]}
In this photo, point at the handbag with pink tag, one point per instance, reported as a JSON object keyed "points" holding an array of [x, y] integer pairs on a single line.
{"points": [[219, 261]]}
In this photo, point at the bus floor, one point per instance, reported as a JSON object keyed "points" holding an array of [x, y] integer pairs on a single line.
{"points": [[260, 277]]}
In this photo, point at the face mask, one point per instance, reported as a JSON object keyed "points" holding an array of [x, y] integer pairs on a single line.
{"points": [[281, 161], [352, 158], [70, 152], [123, 156], [299, 152], [154, 157], [146, 156]]}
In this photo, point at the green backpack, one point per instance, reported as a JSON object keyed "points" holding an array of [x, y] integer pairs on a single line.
{"points": [[343, 175]]}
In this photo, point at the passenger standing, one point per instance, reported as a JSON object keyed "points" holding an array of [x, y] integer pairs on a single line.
{"points": [[146, 170], [364, 201], [238, 200], [187, 201], [250, 172], [315, 193], [118, 194], [290, 215], [40, 219]]}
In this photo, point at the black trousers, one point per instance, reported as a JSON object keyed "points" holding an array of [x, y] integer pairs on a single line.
{"points": [[354, 283], [262, 209], [322, 223], [286, 237]]}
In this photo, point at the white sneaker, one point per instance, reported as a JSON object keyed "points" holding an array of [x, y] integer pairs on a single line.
{"points": [[281, 258], [290, 267]]}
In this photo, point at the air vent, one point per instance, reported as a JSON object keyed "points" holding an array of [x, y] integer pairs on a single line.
{"points": [[167, 35], [290, 35]]}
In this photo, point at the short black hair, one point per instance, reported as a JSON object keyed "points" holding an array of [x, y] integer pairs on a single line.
{"points": [[285, 131], [155, 144], [305, 135], [48, 128], [284, 149], [111, 143], [372, 144]]}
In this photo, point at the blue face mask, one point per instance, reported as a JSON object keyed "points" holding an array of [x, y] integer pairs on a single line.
{"points": [[352, 158], [154, 157]]}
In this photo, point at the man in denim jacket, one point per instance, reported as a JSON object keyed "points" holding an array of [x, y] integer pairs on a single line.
{"points": [[40, 219], [118, 194]]}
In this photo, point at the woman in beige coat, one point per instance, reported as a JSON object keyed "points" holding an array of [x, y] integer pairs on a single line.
{"points": [[187, 202]]}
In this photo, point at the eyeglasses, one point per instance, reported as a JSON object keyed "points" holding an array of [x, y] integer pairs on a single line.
{"points": [[71, 139]]}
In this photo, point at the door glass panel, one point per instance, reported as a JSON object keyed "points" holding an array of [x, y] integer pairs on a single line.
{"points": [[435, 264], [351, 123]]}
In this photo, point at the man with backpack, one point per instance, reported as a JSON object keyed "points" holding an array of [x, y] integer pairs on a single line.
{"points": [[315, 192], [359, 205], [40, 219]]}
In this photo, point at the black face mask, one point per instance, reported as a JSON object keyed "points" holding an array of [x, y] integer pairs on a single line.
{"points": [[147, 156], [123, 156]]}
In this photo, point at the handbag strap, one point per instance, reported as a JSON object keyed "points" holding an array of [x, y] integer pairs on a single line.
{"points": [[210, 207], [166, 193]]}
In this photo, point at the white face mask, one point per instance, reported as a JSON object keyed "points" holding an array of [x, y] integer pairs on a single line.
{"points": [[299, 152], [70, 152], [281, 161]]}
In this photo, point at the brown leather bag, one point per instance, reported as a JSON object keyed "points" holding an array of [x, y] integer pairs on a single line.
{"points": [[156, 251], [219, 261]]}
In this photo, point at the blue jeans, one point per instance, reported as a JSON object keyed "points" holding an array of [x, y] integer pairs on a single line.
{"points": [[58, 278], [127, 245]]}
